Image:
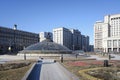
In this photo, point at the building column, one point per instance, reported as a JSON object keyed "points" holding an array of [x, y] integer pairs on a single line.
{"points": [[112, 45], [103, 49], [117, 45], [106, 50]]}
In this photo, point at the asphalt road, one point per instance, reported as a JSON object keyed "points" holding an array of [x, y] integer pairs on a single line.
{"points": [[54, 71]]}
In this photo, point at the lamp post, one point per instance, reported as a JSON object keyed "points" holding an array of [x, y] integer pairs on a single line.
{"points": [[83, 48], [109, 55], [62, 58], [9, 48], [24, 56], [73, 47], [15, 28]]}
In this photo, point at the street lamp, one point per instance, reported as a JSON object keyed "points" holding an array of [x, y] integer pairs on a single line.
{"points": [[62, 58], [9, 48], [24, 56], [15, 28], [73, 47]]}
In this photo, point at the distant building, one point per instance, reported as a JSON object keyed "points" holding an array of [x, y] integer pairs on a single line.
{"points": [[76, 39], [107, 34], [70, 38], [98, 36], [91, 48], [85, 43], [63, 36], [13, 40], [44, 35]]}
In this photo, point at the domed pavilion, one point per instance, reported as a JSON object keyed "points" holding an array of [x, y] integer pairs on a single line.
{"points": [[45, 48]]}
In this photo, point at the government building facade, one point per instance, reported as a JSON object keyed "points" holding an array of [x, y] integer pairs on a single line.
{"points": [[13, 40], [107, 34]]}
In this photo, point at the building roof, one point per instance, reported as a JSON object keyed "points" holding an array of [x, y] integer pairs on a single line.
{"points": [[47, 46]]}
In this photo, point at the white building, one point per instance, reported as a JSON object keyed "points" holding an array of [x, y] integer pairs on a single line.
{"points": [[44, 35], [70, 38], [98, 35], [63, 36], [107, 34]]}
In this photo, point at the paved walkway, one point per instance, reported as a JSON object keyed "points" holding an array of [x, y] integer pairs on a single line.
{"points": [[54, 71], [96, 57], [116, 57], [7, 58]]}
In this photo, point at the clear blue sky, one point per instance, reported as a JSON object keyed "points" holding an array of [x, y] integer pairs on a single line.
{"points": [[44, 15]]}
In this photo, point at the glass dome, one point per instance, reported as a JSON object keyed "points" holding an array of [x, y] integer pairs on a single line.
{"points": [[47, 46]]}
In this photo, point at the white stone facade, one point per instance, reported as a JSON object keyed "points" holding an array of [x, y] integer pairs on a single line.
{"points": [[71, 38], [107, 34], [62, 36]]}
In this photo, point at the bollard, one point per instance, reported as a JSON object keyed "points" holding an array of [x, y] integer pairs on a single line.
{"points": [[61, 58], [106, 63], [109, 57], [76, 55], [24, 56]]}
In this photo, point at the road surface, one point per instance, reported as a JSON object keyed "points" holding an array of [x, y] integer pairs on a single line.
{"points": [[54, 71]]}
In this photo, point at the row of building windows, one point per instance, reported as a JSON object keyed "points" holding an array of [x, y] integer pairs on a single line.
{"points": [[98, 43], [114, 43], [99, 28], [115, 18], [70, 38], [9, 34], [16, 39]]}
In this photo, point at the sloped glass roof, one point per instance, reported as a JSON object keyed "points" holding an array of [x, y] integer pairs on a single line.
{"points": [[47, 45]]}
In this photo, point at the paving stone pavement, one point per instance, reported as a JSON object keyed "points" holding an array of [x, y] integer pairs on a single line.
{"points": [[54, 71]]}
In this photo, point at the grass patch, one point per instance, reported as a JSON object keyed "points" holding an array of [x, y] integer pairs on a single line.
{"points": [[14, 74], [76, 66]]}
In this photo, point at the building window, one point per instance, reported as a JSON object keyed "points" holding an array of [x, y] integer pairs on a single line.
{"points": [[119, 43], [114, 43], [109, 43]]}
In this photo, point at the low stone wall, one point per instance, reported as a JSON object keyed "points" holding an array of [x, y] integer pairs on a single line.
{"points": [[42, 55], [38, 55]]}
